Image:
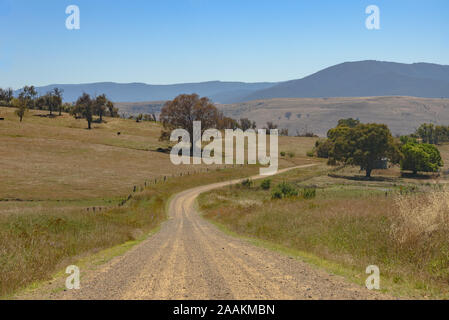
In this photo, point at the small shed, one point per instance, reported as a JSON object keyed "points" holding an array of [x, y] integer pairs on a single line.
{"points": [[381, 164]]}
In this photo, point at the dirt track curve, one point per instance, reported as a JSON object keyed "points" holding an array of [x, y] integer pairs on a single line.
{"points": [[189, 258]]}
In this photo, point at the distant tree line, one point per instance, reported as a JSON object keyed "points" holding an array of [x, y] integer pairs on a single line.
{"points": [[85, 107], [29, 99], [178, 113], [432, 134], [145, 117], [6, 96]]}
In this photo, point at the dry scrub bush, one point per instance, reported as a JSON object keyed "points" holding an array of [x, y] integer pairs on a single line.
{"points": [[419, 216]]}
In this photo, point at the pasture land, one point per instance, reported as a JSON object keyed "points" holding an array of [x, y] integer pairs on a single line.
{"points": [[399, 224], [63, 188]]}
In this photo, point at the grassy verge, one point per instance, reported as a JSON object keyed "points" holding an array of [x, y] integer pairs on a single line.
{"points": [[348, 225], [36, 245], [86, 262]]}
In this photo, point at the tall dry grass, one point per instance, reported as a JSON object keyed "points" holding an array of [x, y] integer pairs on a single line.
{"points": [[34, 245], [420, 216], [407, 236]]}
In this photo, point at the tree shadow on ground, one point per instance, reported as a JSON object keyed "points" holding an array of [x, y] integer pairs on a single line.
{"points": [[98, 121], [362, 178], [419, 176], [46, 115]]}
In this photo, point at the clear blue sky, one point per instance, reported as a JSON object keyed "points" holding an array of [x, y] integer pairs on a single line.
{"points": [[173, 41]]}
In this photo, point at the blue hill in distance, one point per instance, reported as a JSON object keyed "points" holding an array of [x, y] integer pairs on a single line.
{"points": [[350, 79]]}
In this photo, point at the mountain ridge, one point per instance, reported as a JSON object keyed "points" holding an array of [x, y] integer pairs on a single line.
{"points": [[142, 92], [365, 78], [347, 79]]}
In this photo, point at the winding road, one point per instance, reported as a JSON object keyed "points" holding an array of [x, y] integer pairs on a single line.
{"points": [[189, 258]]}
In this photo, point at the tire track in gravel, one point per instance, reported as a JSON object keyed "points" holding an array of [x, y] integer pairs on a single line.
{"points": [[257, 281]]}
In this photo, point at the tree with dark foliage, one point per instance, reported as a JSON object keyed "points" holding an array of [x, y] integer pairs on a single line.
{"points": [[184, 110], [364, 145], [85, 106]]}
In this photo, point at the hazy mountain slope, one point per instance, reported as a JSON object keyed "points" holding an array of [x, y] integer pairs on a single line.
{"points": [[365, 78], [349, 79], [402, 114], [222, 92]]}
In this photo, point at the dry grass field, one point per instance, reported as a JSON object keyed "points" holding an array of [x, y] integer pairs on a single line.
{"points": [[54, 172], [402, 114], [399, 224], [58, 159]]}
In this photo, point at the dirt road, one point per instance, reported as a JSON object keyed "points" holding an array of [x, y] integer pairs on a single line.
{"points": [[189, 258]]}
